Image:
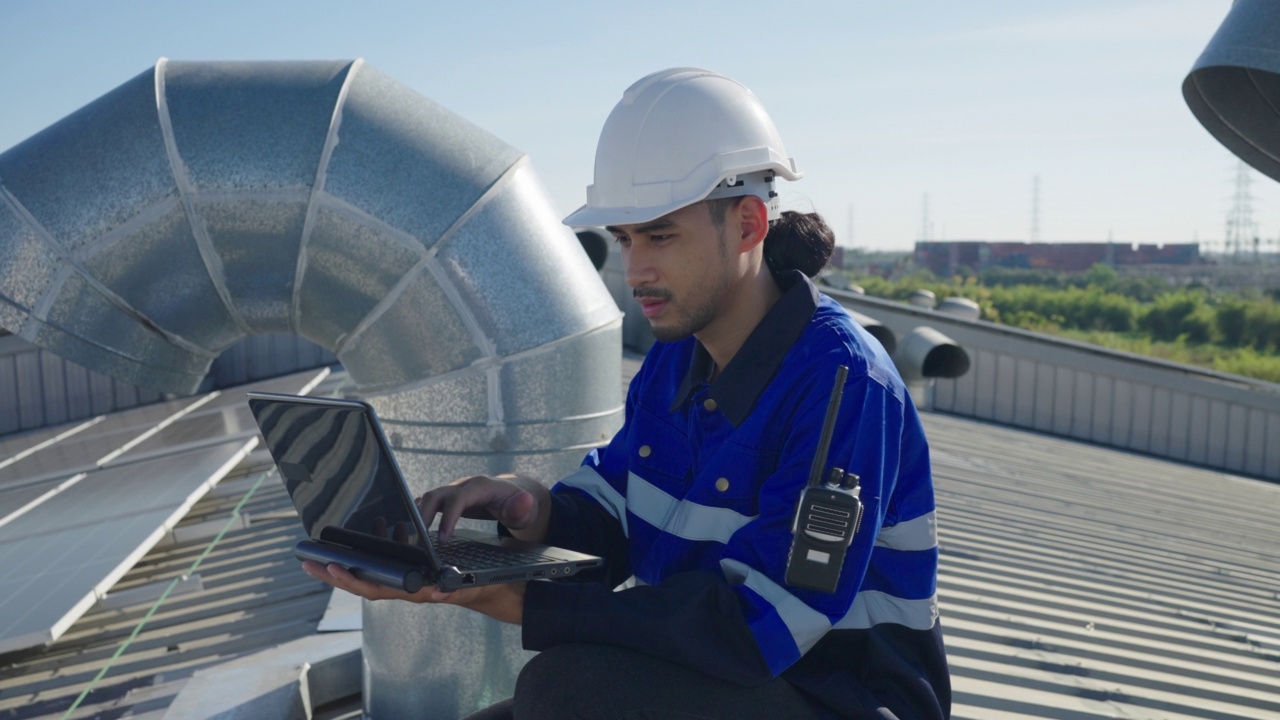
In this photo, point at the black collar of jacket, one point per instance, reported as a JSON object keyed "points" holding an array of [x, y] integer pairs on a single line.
{"points": [[751, 370]]}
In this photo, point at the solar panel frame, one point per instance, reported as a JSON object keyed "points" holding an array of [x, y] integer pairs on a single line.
{"points": [[78, 512]]}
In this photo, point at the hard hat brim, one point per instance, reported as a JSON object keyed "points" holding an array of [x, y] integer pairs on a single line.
{"points": [[603, 217]]}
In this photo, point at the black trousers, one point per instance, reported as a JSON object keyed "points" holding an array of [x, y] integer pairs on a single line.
{"points": [[599, 682]]}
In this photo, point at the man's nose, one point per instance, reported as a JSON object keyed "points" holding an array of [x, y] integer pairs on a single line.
{"points": [[639, 269]]}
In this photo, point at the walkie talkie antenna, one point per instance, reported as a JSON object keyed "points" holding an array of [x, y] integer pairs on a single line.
{"points": [[819, 468]]}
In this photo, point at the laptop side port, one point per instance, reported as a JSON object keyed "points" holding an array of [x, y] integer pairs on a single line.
{"points": [[469, 579]]}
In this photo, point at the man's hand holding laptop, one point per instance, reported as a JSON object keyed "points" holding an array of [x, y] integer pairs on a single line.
{"points": [[520, 504]]}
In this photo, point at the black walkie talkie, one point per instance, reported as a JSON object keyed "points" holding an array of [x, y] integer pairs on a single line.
{"points": [[828, 515]]}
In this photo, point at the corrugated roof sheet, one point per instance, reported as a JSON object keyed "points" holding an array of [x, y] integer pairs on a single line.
{"points": [[1077, 582]]}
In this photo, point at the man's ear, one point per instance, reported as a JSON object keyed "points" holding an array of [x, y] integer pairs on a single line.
{"points": [[753, 218]]}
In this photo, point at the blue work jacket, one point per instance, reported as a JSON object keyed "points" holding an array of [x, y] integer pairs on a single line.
{"points": [[692, 504]]}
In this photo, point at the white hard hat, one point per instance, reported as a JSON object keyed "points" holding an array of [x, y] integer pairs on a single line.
{"points": [[679, 136]]}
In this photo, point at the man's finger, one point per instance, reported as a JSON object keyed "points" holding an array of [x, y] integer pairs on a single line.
{"points": [[517, 510], [429, 504], [449, 515]]}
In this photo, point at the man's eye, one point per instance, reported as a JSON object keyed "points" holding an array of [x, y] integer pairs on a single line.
{"points": [[659, 238], [621, 239]]}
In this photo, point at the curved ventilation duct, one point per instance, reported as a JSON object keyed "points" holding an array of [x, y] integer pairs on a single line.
{"points": [[202, 202], [1234, 87]]}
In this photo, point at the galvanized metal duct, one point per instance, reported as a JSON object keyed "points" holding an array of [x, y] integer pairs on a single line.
{"points": [[1234, 87], [202, 202]]}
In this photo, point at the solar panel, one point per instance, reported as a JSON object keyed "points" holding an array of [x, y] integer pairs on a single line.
{"points": [[79, 512], [14, 500], [14, 448], [57, 560], [77, 454], [165, 426]]}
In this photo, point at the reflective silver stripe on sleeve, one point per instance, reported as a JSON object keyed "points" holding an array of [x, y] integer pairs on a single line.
{"points": [[629, 583], [592, 483], [918, 534], [807, 625], [682, 518], [872, 607]]}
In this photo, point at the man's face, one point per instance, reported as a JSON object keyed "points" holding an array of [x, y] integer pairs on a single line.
{"points": [[679, 268]]}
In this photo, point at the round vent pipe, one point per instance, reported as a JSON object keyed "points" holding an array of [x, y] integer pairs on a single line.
{"points": [[923, 299], [199, 203], [960, 307], [877, 329], [925, 354]]}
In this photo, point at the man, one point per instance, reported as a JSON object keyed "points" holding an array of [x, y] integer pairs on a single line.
{"points": [[692, 502]]}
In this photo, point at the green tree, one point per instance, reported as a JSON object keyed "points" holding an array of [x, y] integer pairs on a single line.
{"points": [[1166, 318], [1231, 321], [1102, 276]]}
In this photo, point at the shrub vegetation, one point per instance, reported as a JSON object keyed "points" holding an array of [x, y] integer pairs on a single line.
{"points": [[1231, 332]]}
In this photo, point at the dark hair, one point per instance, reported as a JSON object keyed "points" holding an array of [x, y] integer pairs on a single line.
{"points": [[719, 208], [798, 241]]}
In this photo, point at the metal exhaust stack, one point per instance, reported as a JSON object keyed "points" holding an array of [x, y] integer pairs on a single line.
{"points": [[1234, 87], [202, 202]]}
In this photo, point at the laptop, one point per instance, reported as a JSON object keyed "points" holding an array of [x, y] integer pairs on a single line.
{"points": [[359, 513]]}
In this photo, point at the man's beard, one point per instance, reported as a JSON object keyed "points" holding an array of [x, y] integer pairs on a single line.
{"points": [[699, 315], [705, 308]]}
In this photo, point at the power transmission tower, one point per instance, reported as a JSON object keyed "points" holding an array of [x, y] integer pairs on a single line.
{"points": [[926, 225], [1035, 209], [1241, 230]]}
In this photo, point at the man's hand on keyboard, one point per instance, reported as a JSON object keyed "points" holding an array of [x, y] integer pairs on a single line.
{"points": [[521, 504]]}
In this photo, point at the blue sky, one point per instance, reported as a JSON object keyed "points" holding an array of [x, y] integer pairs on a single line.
{"points": [[880, 102]]}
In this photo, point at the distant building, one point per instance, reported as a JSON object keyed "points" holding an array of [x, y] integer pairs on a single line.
{"points": [[945, 258]]}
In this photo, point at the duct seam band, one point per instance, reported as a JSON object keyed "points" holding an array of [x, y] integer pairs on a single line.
{"points": [[391, 422], [148, 215], [579, 447], [317, 189], [182, 179], [485, 343], [40, 312], [493, 389], [343, 209], [485, 362], [295, 193]]}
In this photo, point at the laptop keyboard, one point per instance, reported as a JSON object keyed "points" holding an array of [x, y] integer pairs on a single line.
{"points": [[468, 553]]}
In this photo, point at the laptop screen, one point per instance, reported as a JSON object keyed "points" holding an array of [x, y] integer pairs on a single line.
{"points": [[344, 486]]}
